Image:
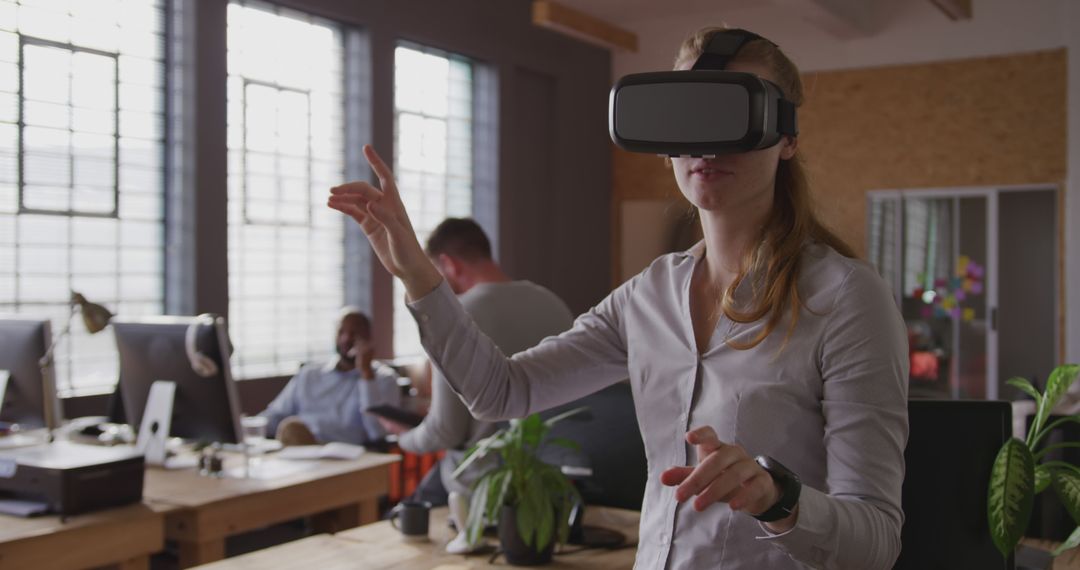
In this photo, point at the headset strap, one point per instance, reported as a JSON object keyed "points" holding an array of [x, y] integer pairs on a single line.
{"points": [[722, 46]]}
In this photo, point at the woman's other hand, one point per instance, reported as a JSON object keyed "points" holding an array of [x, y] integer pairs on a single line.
{"points": [[727, 474], [382, 216]]}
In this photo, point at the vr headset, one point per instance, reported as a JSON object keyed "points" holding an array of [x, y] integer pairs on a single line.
{"points": [[705, 111]]}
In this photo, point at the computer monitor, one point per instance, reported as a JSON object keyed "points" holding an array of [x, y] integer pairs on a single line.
{"points": [[204, 408], [950, 452], [23, 342]]}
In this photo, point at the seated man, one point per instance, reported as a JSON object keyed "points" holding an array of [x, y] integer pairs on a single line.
{"points": [[516, 315], [325, 402]]}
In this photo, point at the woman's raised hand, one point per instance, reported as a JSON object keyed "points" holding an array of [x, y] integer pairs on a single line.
{"points": [[382, 216]]}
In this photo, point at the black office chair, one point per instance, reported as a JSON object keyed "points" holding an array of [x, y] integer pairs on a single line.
{"points": [[611, 446], [950, 452]]}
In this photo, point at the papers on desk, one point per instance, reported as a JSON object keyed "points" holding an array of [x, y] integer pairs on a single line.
{"points": [[335, 450], [24, 439], [22, 508]]}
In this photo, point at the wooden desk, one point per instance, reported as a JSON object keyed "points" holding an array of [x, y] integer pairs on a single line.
{"points": [[390, 551], [122, 538], [379, 546], [343, 494], [1069, 560]]}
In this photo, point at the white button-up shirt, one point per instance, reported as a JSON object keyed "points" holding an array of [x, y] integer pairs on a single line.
{"points": [[831, 405]]}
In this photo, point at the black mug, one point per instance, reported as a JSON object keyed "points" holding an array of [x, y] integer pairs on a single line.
{"points": [[411, 518]]}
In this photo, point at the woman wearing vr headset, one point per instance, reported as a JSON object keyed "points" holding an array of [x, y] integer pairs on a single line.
{"points": [[769, 366]]}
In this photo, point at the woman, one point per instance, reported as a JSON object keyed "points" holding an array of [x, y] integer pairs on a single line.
{"points": [[767, 337]]}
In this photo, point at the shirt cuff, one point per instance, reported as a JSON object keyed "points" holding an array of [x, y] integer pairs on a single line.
{"points": [[811, 532]]}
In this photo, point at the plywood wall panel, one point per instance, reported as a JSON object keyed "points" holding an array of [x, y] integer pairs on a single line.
{"points": [[979, 122]]}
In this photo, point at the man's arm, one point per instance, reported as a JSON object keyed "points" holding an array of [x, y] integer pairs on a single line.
{"points": [[446, 425], [287, 403], [382, 390]]}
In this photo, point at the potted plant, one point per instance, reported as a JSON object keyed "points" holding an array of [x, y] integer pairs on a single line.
{"points": [[1020, 470], [529, 500]]}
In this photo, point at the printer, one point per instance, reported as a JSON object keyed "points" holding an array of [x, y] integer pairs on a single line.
{"points": [[71, 478]]}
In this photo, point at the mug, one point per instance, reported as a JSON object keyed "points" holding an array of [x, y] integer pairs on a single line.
{"points": [[411, 518]]}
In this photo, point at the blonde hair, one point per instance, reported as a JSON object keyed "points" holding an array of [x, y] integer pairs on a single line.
{"points": [[776, 261]]}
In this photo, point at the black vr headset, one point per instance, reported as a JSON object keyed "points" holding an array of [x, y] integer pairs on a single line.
{"points": [[705, 111]]}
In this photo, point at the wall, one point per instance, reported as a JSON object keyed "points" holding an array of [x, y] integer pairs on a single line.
{"points": [[949, 124], [912, 31], [1071, 20]]}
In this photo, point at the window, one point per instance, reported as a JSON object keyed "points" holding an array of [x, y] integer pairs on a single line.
{"points": [[432, 153], [81, 175], [285, 140]]}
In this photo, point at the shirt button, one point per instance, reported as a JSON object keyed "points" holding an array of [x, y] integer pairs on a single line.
{"points": [[663, 539]]}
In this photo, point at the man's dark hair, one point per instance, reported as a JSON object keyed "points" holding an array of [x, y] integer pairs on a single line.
{"points": [[459, 237], [351, 312]]}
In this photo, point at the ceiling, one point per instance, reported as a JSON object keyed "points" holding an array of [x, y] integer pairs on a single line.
{"points": [[623, 12], [842, 19]]}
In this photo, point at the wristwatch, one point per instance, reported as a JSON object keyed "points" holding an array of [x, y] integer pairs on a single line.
{"points": [[790, 487]]}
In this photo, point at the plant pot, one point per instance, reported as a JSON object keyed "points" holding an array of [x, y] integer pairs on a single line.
{"points": [[514, 548]]}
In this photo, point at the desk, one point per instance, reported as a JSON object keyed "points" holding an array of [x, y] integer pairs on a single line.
{"points": [[200, 512], [395, 553], [122, 538], [379, 546], [1069, 560]]}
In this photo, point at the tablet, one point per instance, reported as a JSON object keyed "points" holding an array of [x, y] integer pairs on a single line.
{"points": [[395, 414]]}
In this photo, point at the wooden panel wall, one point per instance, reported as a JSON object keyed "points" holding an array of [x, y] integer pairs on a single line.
{"points": [[977, 122]]}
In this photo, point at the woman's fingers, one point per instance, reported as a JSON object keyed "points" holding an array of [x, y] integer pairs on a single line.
{"points": [[724, 473], [356, 191], [675, 475], [723, 487], [386, 176], [705, 439], [708, 469], [756, 495]]}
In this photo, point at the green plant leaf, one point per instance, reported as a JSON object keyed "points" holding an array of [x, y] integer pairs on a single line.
{"points": [[477, 513], [1011, 494], [526, 520], [480, 450], [1062, 466], [545, 527], [1072, 542], [1066, 445], [1046, 430], [1060, 379], [533, 430], [1025, 386], [1042, 478], [1067, 486]]}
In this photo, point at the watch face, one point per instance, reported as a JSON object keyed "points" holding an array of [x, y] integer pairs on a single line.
{"points": [[775, 468], [790, 488]]}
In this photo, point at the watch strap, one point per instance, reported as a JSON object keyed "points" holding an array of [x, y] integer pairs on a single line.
{"points": [[790, 489]]}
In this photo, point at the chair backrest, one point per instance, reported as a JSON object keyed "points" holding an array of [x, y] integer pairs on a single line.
{"points": [[611, 444], [950, 452]]}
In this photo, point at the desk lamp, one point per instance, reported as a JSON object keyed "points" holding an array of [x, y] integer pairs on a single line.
{"points": [[95, 317]]}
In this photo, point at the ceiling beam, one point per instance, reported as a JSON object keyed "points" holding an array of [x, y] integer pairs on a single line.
{"points": [[955, 9], [566, 20], [844, 19]]}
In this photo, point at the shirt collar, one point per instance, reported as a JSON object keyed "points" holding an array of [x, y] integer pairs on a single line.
{"points": [[695, 252]]}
